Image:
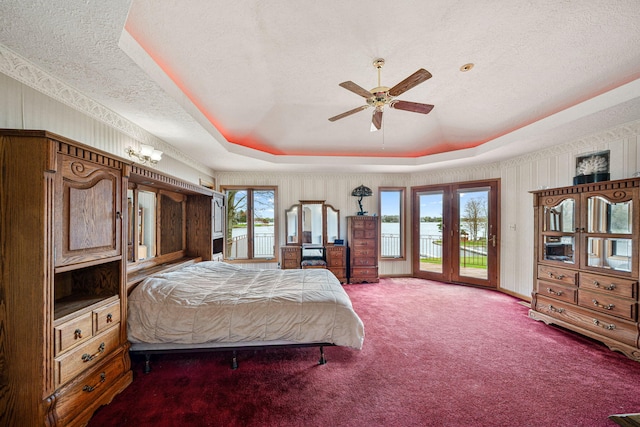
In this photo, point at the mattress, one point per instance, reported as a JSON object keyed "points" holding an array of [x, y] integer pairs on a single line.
{"points": [[224, 304]]}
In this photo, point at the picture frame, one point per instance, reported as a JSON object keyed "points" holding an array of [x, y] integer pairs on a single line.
{"points": [[592, 167]]}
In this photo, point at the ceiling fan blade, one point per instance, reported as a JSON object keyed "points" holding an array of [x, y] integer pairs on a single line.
{"points": [[348, 113], [376, 120], [358, 90], [416, 107], [413, 80]]}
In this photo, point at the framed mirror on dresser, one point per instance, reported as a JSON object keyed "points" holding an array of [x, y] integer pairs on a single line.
{"points": [[309, 225]]}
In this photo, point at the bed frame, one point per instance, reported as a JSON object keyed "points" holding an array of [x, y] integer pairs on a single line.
{"points": [[149, 349]]}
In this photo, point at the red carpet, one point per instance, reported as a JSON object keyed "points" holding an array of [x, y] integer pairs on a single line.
{"points": [[434, 355]]}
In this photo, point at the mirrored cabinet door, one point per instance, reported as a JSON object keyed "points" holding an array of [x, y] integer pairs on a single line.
{"points": [[559, 230], [609, 231]]}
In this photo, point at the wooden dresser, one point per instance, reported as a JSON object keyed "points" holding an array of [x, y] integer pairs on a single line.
{"points": [[337, 261], [291, 257], [63, 344], [586, 261], [362, 235]]}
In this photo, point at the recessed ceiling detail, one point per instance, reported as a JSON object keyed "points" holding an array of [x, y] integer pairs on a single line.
{"points": [[246, 85]]}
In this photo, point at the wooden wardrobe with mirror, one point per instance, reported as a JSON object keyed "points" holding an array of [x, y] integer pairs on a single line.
{"points": [[78, 228]]}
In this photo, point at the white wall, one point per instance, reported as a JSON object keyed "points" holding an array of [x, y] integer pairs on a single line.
{"points": [[38, 101], [552, 167]]}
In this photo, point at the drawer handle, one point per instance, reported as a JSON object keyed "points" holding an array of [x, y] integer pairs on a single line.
{"points": [[556, 276], [551, 291], [89, 357], [608, 327], [77, 334], [557, 310], [90, 388], [607, 288], [109, 318], [606, 307]]}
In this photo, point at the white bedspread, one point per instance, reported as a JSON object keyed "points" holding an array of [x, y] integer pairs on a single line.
{"points": [[223, 303]]}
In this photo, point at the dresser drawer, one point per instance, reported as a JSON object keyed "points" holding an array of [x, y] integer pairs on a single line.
{"points": [[364, 234], [609, 285], [608, 304], [557, 291], [358, 262], [602, 324], [364, 272], [359, 244], [81, 392], [366, 251], [291, 254], [291, 264], [85, 356], [105, 317], [557, 274], [336, 262], [72, 333]]}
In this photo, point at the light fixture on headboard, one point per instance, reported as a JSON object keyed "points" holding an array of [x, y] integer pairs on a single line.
{"points": [[146, 154]]}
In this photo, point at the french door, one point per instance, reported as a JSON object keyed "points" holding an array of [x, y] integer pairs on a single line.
{"points": [[456, 232]]}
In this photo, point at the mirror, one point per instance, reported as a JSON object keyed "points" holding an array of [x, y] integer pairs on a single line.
{"points": [[146, 224], [560, 217], [141, 238], [291, 218], [607, 217], [333, 231], [312, 222]]}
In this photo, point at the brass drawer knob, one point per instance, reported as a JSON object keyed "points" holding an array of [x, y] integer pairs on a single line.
{"points": [[606, 307], [557, 310], [89, 357], [607, 288], [90, 388], [109, 318], [77, 334], [551, 291], [608, 327]]}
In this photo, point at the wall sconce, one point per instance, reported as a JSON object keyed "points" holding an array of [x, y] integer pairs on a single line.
{"points": [[146, 154]]}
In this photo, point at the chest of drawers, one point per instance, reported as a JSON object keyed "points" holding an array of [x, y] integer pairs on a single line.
{"points": [[362, 232]]}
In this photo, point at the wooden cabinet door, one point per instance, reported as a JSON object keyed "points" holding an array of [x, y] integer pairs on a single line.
{"points": [[88, 211]]}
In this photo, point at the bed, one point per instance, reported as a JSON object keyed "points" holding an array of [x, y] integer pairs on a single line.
{"points": [[214, 306]]}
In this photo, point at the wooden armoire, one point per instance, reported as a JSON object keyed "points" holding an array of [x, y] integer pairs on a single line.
{"points": [[586, 261], [63, 343]]}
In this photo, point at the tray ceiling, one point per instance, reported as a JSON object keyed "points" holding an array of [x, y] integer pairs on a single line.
{"points": [[251, 84]]}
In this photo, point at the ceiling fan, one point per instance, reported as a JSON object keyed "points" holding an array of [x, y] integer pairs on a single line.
{"points": [[380, 96]]}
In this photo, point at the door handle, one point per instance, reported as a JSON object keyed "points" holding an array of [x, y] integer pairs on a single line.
{"points": [[493, 240]]}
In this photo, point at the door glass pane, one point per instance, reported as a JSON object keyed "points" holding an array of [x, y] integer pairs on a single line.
{"points": [[607, 217], [560, 217], [430, 239], [473, 232], [614, 254], [263, 225], [237, 239]]}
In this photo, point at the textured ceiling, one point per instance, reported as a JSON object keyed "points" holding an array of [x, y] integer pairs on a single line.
{"points": [[251, 84]]}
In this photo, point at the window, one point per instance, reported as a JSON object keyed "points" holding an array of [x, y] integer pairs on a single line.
{"points": [[392, 222], [251, 223]]}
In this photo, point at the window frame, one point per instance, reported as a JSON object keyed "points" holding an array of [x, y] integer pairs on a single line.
{"points": [[250, 189], [403, 220]]}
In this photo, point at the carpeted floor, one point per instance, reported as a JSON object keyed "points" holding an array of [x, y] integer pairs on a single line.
{"points": [[434, 355]]}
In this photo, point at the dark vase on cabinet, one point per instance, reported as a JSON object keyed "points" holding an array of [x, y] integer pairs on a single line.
{"points": [[362, 232]]}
